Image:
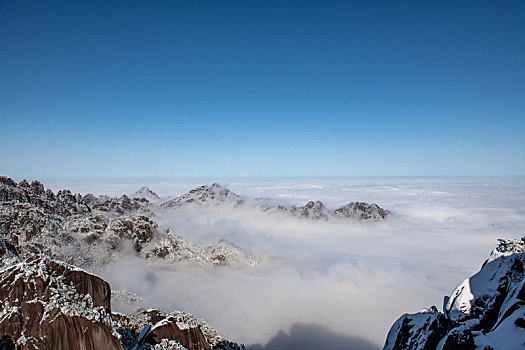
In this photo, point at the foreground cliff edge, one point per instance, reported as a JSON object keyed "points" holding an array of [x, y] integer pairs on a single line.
{"points": [[48, 304], [486, 311]]}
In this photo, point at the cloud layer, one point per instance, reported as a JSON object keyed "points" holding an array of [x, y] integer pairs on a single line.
{"points": [[354, 278]]}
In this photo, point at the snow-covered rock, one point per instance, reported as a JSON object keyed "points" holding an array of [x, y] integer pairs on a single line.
{"points": [[204, 195], [174, 248], [486, 311], [88, 231], [48, 304], [215, 194], [362, 211], [145, 192], [44, 303], [121, 205], [311, 210]]}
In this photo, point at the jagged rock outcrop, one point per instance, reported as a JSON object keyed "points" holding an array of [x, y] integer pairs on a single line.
{"points": [[486, 311], [362, 211], [47, 304], [152, 326], [27, 227], [174, 248], [63, 204], [121, 205], [138, 229], [311, 210], [423, 330]]}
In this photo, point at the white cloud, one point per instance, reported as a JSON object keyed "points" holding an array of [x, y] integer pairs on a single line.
{"points": [[355, 278]]}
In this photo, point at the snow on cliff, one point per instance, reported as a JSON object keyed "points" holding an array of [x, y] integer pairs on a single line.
{"points": [[486, 311]]}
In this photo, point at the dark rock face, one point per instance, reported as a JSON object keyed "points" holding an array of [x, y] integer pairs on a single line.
{"points": [[49, 305], [459, 339], [78, 333], [423, 330], [228, 345], [6, 343], [190, 338], [485, 311], [85, 283]]}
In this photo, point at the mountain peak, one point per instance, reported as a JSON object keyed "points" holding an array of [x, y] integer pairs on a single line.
{"points": [[203, 195], [145, 192]]}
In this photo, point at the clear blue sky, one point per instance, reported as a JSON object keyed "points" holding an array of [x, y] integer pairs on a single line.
{"points": [[267, 88]]}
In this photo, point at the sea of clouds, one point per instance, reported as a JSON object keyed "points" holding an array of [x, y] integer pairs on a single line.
{"points": [[344, 282]]}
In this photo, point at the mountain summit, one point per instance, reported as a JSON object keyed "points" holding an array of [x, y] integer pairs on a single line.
{"points": [[203, 195], [145, 192]]}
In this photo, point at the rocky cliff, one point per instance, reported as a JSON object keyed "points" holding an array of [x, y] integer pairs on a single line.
{"points": [[48, 304], [486, 311]]}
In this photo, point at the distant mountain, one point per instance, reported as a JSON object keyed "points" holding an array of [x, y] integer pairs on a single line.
{"points": [[218, 195], [145, 192], [204, 195], [362, 210], [311, 210], [486, 311]]}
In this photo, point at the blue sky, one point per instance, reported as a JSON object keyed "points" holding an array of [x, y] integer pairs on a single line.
{"points": [[131, 89]]}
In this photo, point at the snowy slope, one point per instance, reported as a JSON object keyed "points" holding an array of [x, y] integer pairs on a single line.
{"points": [[486, 311], [145, 192]]}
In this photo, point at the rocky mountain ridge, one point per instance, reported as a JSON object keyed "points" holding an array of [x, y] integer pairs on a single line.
{"points": [[215, 194], [88, 231], [486, 311], [46, 303]]}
